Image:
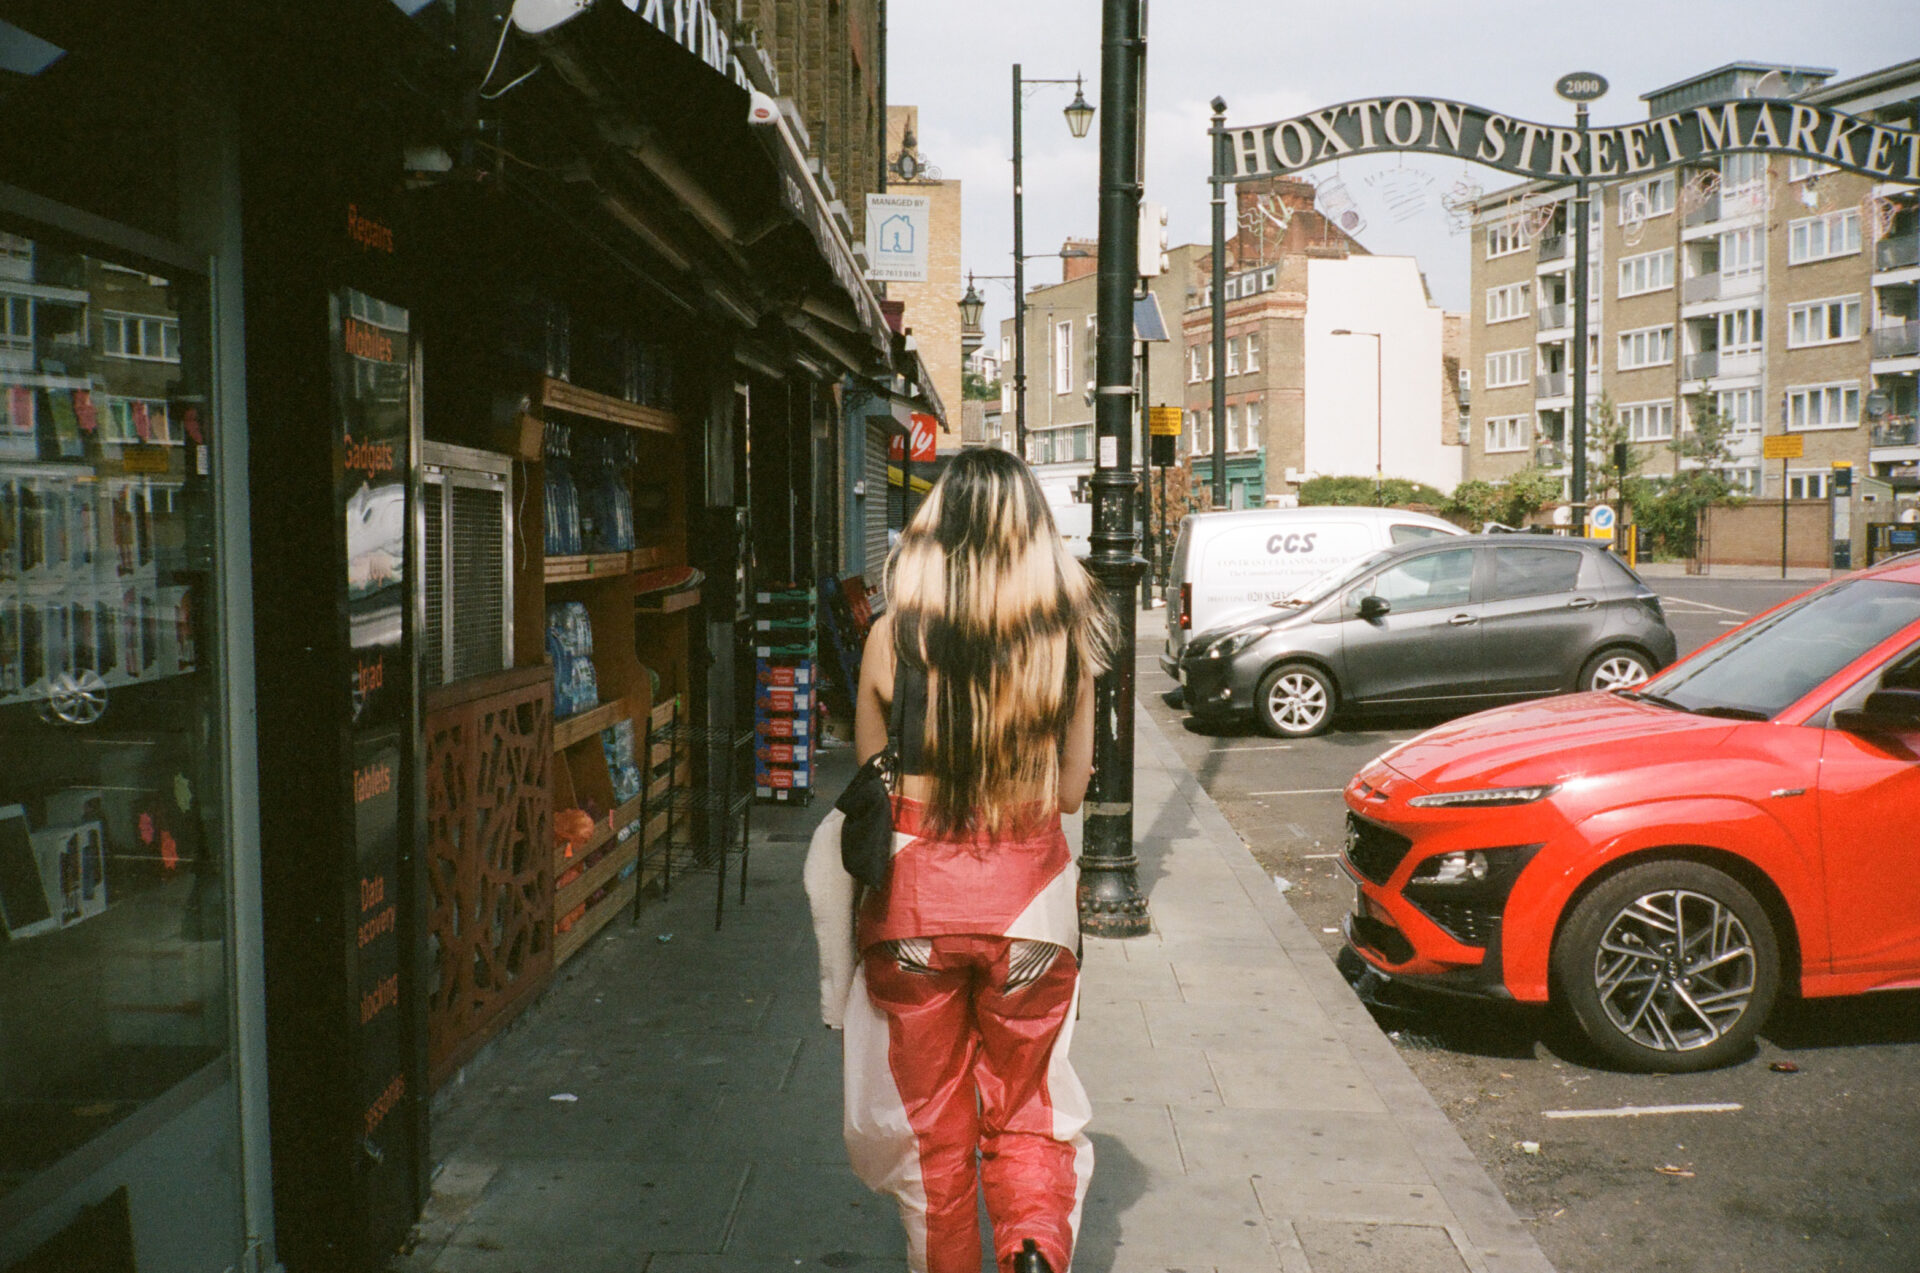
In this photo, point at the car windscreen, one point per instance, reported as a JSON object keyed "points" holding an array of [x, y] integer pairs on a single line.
{"points": [[1331, 582], [1772, 664]]}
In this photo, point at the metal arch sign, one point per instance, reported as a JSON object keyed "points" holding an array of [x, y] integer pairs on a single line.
{"points": [[1431, 125]]}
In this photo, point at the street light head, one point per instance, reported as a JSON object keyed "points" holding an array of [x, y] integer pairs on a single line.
{"points": [[970, 306], [1341, 331], [1079, 112], [1219, 105]]}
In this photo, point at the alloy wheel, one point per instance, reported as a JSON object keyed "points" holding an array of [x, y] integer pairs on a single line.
{"points": [[1675, 970], [1617, 672], [1297, 702]]}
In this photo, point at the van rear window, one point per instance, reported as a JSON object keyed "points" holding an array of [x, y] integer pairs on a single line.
{"points": [[1406, 533]]}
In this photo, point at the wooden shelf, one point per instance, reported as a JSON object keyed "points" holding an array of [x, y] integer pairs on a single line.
{"points": [[604, 830], [577, 890], [588, 723], [668, 603], [566, 944], [588, 566], [650, 557], [558, 395]]}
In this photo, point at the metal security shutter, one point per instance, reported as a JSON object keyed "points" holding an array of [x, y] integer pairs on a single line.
{"points": [[432, 653], [873, 507], [478, 551]]}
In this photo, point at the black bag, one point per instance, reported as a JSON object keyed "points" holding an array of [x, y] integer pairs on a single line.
{"points": [[866, 838]]}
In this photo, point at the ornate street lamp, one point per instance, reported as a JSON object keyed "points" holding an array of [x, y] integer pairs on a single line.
{"points": [[1079, 111], [1079, 114]]}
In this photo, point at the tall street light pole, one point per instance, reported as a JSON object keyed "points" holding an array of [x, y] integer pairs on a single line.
{"points": [[1379, 429], [1079, 118], [1221, 162], [1111, 904]]}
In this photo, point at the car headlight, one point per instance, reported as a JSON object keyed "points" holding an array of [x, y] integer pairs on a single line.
{"points": [[1234, 642], [1486, 798]]}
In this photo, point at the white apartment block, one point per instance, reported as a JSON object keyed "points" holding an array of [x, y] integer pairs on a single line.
{"points": [[1786, 291]]}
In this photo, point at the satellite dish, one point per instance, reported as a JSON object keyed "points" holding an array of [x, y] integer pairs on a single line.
{"points": [[537, 17], [1772, 84]]}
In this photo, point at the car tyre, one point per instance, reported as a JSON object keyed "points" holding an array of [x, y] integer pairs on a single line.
{"points": [[1668, 967], [1295, 700], [1616, 669]]}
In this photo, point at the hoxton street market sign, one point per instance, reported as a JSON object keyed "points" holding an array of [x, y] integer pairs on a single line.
{"points": [[1426, 125]]}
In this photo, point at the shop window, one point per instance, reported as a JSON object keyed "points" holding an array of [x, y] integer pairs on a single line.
{"points": [[113, 905]]}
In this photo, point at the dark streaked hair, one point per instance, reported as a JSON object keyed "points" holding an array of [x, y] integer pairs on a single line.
{"points": [[986, 598]]}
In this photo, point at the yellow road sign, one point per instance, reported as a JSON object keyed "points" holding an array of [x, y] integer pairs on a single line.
{"points": [[1783, 446], [1163, 422]]}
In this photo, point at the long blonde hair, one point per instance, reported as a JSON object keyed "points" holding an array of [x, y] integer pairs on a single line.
{"points": [[1005, 623]]}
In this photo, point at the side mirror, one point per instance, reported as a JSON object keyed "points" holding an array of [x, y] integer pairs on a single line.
{"points": [[1885, 711], [1374, 607]]}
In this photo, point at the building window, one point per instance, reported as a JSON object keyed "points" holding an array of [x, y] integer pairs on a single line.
{"points": [[1740, 408], [1193, 364], [1738, 171], [129, 420], [1820, 238], [1647, 347], [1507, 369], [16, 322], [1233, 355], [1745, 478], [1649, 272], [1835, 406], [1508, 432], [1506, 302], [1799, 169], [1250, 423], [139, 336], [1648, 421], [1741, 331], [1504, 238], [1740, 252], [1267, 277], [1650, 198], [1826, 322], [1233, 429], [1253, 351], [1808, 484], [1063, 358]]}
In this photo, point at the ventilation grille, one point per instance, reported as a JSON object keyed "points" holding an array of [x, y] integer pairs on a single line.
{"points": [[479, 594], [875, 505], [432, 645]]}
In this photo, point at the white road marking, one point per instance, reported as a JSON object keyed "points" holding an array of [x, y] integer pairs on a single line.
{"points": [[1303, 791], [1265, 747], [1318, 857], [1704, 605], [1636, 1111], [1731, 623]]}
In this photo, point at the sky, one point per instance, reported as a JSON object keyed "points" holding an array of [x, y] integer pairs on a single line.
{"points": [[1272, 60]]}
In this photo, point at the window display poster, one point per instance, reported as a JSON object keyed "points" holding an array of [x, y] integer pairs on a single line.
{"points": [[382, 1077], [373, 404]]}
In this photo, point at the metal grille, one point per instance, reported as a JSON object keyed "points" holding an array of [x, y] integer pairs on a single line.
{"points": [[1469, 923], [432, 647], [1374, 850], [874, 504], [479, 581]]}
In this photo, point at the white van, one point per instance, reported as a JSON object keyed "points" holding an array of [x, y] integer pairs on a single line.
{"points": [[1230, 563]]}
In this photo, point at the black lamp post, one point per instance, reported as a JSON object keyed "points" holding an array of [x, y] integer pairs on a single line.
{"points": [[1111, 904], [1079, 115], [1379, 434]]}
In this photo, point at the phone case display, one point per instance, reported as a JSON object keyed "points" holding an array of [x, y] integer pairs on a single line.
{"points": [[570, 650], [564, 538], [786, 648], [623, 764], [602, 467]]}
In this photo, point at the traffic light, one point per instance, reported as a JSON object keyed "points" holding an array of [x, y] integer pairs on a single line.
{"points": [[1153, 239]]}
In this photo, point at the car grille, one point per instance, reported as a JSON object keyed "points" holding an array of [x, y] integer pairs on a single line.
{"points": [[1472, 923], [1374, 850]]}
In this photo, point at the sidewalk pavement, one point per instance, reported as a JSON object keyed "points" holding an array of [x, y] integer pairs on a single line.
{"points": [[672, 1103]]}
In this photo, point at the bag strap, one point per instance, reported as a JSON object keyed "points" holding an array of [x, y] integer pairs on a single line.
{"points": [[896, 727]]}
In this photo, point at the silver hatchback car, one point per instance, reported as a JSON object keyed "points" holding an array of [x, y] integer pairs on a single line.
{"points": [[1471, 621]]}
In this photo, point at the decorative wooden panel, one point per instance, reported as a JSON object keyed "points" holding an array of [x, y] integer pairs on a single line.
{"points": [[489, 857]]}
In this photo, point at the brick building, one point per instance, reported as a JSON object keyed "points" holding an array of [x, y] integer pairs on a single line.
{"points": [[932, 314], [1782, 289]]}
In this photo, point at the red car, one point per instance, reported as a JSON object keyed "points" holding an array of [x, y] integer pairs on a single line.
{"points": [[1662, 861]]}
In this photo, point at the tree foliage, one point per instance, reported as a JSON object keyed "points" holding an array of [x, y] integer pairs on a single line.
{"points": [[1394, 492], [1668, 509], [1510, 502], [977, 387]]}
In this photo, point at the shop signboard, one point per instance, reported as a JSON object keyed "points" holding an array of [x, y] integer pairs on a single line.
{"points": [[898, 228], [924, 429]]}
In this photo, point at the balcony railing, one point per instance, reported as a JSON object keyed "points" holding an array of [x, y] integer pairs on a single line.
{"points": [[1709, 210], [1897, 340], [1702, 287], [1550, 384], [1896, 432], [1554, 247], [1700, 366], [1552, 316], [1898, 251], [1548, 456]]}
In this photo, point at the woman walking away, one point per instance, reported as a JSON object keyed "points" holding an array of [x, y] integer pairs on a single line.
{"points": [[964, 996]]}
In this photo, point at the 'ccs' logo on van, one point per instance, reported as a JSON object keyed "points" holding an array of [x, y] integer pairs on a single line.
{"points": [[1294, 543]]}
